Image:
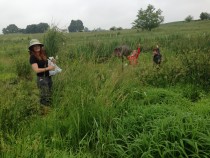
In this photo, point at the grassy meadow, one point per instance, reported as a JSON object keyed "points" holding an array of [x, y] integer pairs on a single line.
{"points": [[99, 110]]}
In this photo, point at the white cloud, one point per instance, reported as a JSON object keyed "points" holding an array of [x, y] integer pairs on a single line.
{"points": [[93, 13]]}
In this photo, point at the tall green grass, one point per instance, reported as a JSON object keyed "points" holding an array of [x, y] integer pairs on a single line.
{"points": [[53, 41], [101, 111]]}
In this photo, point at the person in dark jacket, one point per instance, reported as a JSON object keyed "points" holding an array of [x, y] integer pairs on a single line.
{"points": [[122, 51], [157, 57], [39, 63]]}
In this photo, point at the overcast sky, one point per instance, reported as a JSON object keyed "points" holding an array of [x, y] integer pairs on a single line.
{"points": [[93, 13]]}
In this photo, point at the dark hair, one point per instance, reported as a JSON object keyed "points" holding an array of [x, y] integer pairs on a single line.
{"points": [[41, 56], [30, 52], [117, 49], [155, 49], [31, 47]]}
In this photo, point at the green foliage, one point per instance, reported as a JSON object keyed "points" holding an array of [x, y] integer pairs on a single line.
{"points": [[12, 28], [197, 66], [93, 50], [33, 28], [100, 111], [76, 26], [53, 40], [205, 16], [37, 28], [148, 19], [193, 93], [113, 28], [23, 69], [189, 18]]}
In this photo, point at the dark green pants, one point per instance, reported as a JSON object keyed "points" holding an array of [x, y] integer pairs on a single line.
{"points": [[45, 86]]}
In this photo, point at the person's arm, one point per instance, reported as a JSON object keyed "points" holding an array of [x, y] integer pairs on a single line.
{"points": [[139, 50], [39, 70]]}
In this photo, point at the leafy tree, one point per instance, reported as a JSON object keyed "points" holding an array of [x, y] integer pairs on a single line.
{"points": [[113, 28], [148, 19], [205, 16], [189, 18], [53, 40], [22, 31], [37, 28], [76, 26], [12, 28], [86, 29], [4, 31], [31, 28], [42, 27], [98, 29], [119, 28]]}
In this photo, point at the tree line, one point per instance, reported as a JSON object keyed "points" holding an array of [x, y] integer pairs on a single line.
{"points": [[147, 19], [203, 16], [75, 26]]}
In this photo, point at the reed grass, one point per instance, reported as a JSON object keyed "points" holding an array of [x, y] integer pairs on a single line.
{"points": [[101, 111]]}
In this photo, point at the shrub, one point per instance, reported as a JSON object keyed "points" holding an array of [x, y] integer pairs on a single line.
{"points": [[53, 41], [197, 68], [23, 69], [188, 18]]}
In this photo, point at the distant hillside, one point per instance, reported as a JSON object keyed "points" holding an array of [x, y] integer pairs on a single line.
{"points": [[202, 23], [194, 26]]}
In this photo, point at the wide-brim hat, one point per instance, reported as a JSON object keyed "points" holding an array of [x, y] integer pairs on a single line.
{"points": [[34, 42]]}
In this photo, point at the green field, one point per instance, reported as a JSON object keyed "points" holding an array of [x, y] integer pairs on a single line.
{"points": [[101, 111]]}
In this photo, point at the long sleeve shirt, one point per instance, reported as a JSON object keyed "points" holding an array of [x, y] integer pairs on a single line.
{"points": [[133, 58]]}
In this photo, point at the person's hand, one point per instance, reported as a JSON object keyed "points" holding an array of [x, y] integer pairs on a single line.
{"points": [[139, 45], [54, 61], [50, 67], [157, 46]]}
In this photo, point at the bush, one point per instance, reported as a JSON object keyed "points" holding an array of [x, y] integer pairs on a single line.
{"points": [[23, 69], [197, 67], [53, 40], [189, 18]]}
